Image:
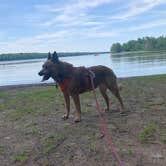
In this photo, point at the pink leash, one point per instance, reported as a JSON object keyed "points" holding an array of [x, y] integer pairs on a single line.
{"points": [[103, 124]]}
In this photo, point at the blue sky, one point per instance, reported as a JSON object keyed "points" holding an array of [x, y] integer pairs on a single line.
{"points": [[77, 25]]}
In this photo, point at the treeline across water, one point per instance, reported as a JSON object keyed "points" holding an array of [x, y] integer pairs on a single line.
{"points": [[24, 56], [141, 44]]}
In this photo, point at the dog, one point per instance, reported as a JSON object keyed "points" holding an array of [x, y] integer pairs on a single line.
{"points": [[76, 80]]}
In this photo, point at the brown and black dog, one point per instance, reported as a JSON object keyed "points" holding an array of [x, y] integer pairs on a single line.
{"points": [[76, 80]]}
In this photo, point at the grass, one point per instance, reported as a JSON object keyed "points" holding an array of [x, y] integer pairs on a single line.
{"points": [[2, 149], [163, 139], [33, 114], [22, 157], [51, 142], [3, 94], [33, 131], [147, 133], [129, 152], [92, 142], [2, 107], [20, 104], [17, 114]]}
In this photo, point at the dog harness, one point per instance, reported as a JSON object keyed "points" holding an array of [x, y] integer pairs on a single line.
{"points": [[64, 83]]}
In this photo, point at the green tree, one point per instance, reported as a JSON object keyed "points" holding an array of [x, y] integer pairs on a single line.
{"points": [[116, 47], [141, 44]]}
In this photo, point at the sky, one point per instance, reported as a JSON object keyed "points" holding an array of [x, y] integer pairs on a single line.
{"points": [[77, 25]]}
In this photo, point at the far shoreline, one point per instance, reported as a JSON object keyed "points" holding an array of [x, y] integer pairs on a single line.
{"points": [[37, 55]]}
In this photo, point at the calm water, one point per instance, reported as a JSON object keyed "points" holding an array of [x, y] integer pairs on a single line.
{"points": [[26, 71]]}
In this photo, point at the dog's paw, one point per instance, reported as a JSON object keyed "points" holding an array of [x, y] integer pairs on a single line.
{"points": [[124, 113], [106, 110], [77, 119], [64, 117]]}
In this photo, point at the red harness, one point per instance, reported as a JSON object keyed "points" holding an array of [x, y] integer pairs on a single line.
{"points": [[86, 81], [64, 84]]}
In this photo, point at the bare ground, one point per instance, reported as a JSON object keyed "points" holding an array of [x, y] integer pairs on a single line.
{"points": [[32, 132]]}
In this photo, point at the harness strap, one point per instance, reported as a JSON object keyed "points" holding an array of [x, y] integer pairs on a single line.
{"points": [[64, 84], [91, 74]]}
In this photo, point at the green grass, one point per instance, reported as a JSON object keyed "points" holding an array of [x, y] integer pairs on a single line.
{"points": [[34, 102], [147, 133], [2, 149], [2, 107], [18, 114], [51, 142], [41, 100], [163, 139], [30, 108], [22, 157], [130, 152], [3, 94], [33, 130], [92, 142]]}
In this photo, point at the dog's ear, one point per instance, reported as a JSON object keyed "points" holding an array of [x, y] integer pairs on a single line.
{"points": [[55, 58], [49, 56]]}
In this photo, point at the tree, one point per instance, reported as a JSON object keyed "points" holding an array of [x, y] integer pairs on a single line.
{"points": [[141, 44], [116, 47]]}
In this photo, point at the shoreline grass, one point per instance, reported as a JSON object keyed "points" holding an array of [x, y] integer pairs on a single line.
{"points": [[33, 133]]}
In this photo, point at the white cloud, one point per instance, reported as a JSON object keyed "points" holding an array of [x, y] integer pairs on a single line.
{"points": [[73, 13], [149, 25], [49, 41], [138, 7], [35, 43], [48, 8], [72, 6]]}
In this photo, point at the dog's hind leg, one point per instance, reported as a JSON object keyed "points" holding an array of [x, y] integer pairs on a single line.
{"points": [[67, 101], [78, 108], [103, 90], [116, 93], [113, 87]]}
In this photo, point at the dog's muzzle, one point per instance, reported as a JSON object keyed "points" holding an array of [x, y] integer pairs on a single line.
{"points": [[40, 73], [45, 75]]}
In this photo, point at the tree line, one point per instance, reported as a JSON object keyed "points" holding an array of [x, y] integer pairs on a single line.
{"points": [[141, 44], [24, 56]]}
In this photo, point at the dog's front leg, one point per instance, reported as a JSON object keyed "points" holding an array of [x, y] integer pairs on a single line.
{"points": [[67, 101], [78, 108]]}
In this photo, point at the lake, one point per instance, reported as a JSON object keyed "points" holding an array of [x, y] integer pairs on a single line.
{"points": [[26, 71]]}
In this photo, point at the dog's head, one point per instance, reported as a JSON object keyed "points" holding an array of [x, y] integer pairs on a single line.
{"points": [[49, 67]]}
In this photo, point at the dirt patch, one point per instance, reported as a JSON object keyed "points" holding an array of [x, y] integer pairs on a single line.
{"points": [[33, 133]]}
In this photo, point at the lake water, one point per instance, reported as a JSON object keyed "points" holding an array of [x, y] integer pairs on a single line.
{"points": [[26, 71]]}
